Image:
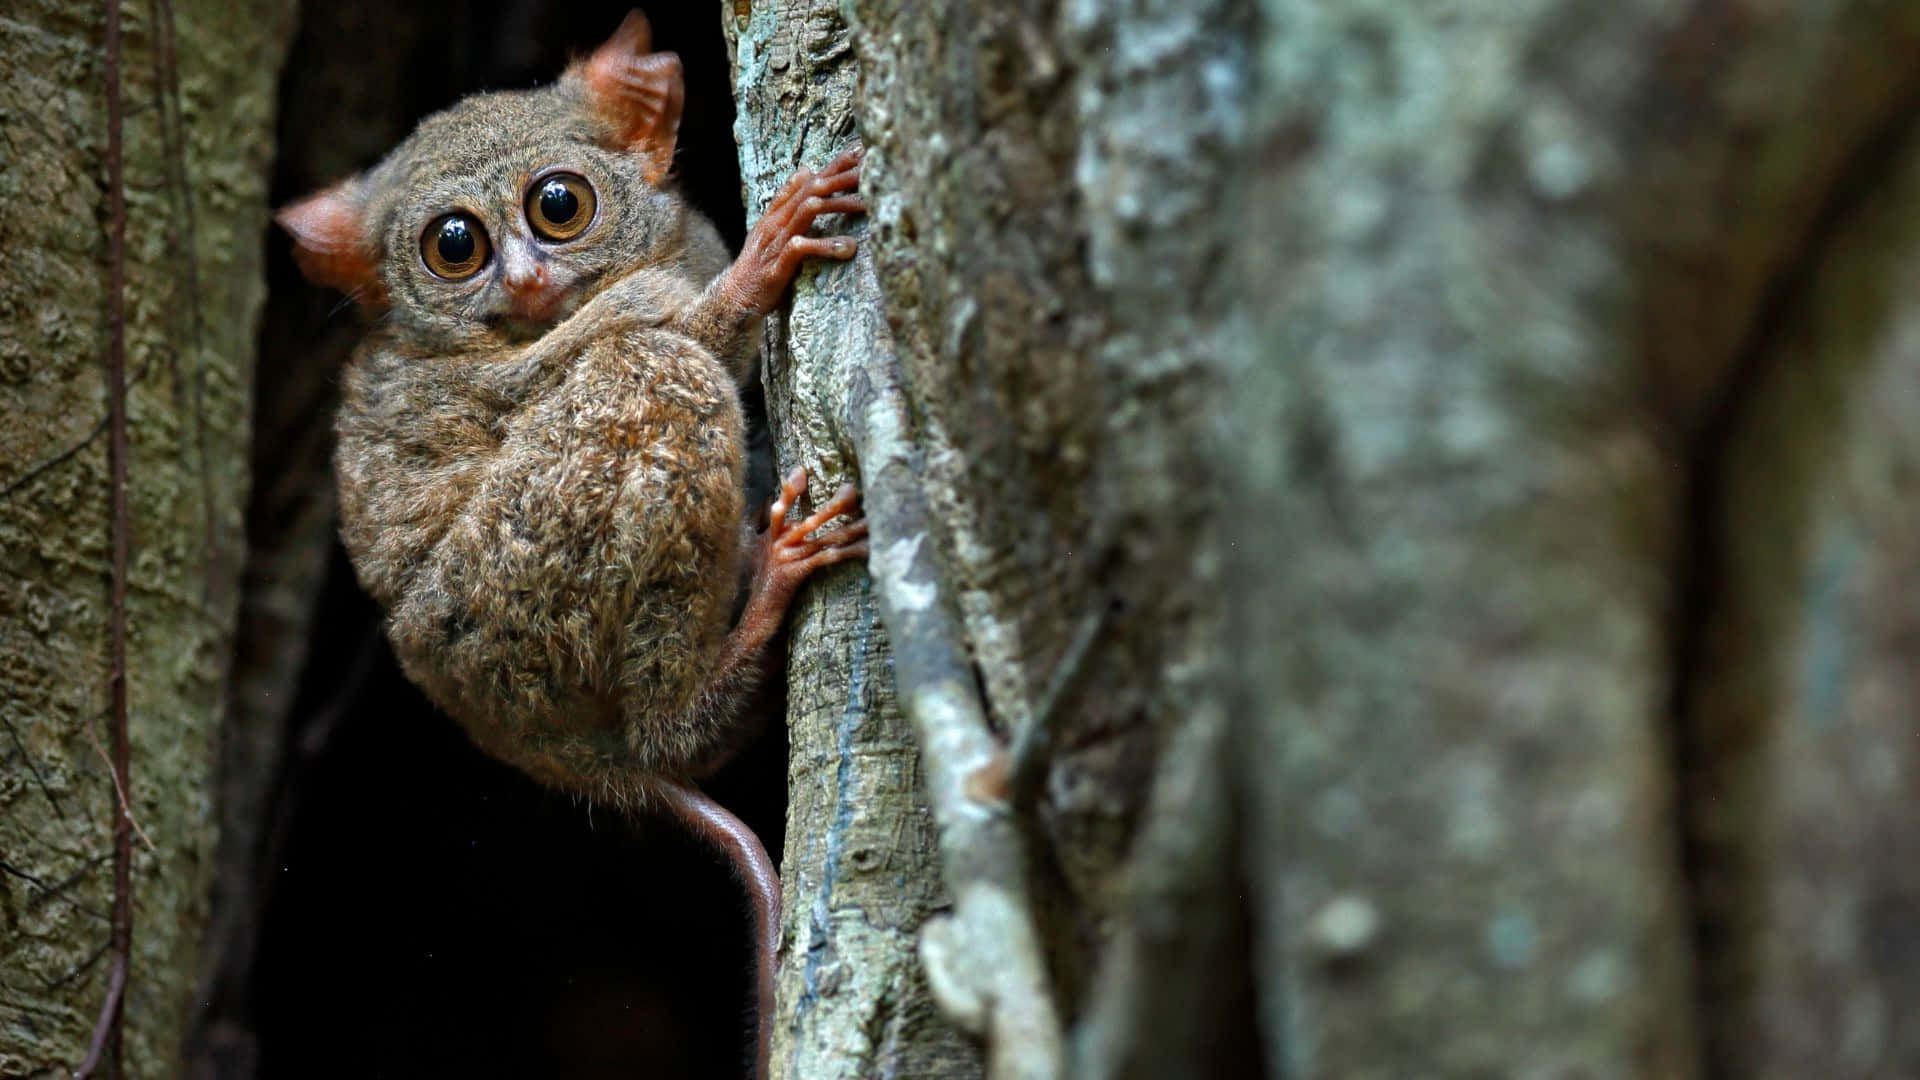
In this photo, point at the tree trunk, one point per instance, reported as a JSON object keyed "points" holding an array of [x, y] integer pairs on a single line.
{"points": [[1363, 423], [1500, 422], [1045, 247], [196, 91]]}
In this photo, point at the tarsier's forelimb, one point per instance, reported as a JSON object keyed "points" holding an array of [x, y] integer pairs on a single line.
{"points": [[752, 287]]}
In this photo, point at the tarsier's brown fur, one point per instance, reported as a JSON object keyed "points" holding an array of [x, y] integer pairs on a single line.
{"points": [[544, 488], [541, 455]]}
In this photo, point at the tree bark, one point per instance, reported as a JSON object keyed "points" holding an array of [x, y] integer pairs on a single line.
{"points": [[1522, 262], [1803, 700], [196, 86], [1429, 351], [859, 871], [1389, 531], [1047, 260]]}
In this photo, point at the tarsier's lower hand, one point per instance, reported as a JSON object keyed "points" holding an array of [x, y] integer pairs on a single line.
{"points": [[778, 243], [788, 552]]}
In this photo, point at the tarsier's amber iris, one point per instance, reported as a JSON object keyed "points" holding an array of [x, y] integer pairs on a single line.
{"points": [[561, 206], [455, 247]]}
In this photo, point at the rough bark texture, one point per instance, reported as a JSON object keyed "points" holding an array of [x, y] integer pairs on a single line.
{"points": [[859, 871], [1513, 776], [1391, 528], [197, 143], [1043, 184]]}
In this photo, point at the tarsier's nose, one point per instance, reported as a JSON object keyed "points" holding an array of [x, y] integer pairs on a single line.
{"points": [[529, 285], [529, 277]]}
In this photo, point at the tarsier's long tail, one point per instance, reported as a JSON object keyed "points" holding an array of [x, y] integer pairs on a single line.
{"points": [[718, 826]]}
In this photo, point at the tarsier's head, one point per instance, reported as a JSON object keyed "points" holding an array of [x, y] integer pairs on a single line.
{"points": [[504, 213]]}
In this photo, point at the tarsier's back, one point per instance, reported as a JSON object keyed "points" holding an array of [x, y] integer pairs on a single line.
{"points": [[546, 536]]}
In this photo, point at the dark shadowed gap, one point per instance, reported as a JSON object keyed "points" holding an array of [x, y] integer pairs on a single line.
{"points": [[1723, 875], [422, 910]]}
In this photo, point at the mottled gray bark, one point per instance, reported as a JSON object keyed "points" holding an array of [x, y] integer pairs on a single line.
{"points": [[859, 871], [1519, 257], [197, 83]]}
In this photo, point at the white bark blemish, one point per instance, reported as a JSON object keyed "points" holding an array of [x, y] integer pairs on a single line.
{"points": [[892, 563]]}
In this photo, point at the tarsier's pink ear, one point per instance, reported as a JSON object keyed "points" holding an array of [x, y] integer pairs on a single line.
{"points": [[329, 241], [637, 94]]}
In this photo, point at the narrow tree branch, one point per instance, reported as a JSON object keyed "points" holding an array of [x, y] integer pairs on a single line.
{"points": [[984, 961]]}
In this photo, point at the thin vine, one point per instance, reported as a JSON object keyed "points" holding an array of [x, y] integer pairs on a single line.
{"points": [[105, 1043]]}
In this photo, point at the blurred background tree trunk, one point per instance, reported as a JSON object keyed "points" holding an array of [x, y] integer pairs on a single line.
{"points": [[196, 84]]}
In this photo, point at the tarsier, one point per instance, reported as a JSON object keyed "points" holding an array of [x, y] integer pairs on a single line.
{"points": [[541, 451]]}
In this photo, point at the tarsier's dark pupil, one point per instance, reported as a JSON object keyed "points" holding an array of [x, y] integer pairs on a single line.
{"points": [[561, 206], [456, 241], [558, 204]]}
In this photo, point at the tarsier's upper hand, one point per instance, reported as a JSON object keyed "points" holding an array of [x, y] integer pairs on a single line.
{"points": [[778, 243]]}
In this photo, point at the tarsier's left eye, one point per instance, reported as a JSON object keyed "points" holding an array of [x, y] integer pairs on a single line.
{"points": [[561, 206], [454, 246]]}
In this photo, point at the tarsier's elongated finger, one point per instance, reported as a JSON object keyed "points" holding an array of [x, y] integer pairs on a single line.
{"points": [[828, 185], [792, 486], [800, 187], [798, 218], [831, 183], [837, 538], [817, 205], [834, 555], [847, 159], [781, 205], [775, 225], [844, 501], [798, 248]]}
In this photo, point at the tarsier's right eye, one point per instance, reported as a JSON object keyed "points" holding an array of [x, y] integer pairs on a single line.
{"points": [[455, 247]]}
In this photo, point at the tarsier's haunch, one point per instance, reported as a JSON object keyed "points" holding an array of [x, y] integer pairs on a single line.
{"points": [[541, 450]]}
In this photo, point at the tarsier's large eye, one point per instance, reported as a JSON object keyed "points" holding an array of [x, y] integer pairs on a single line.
{"points": [[455, 247], [560, 207]]}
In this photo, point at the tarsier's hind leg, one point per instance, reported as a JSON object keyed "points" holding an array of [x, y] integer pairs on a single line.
{"points": [[788, 553], [718, 723]]}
